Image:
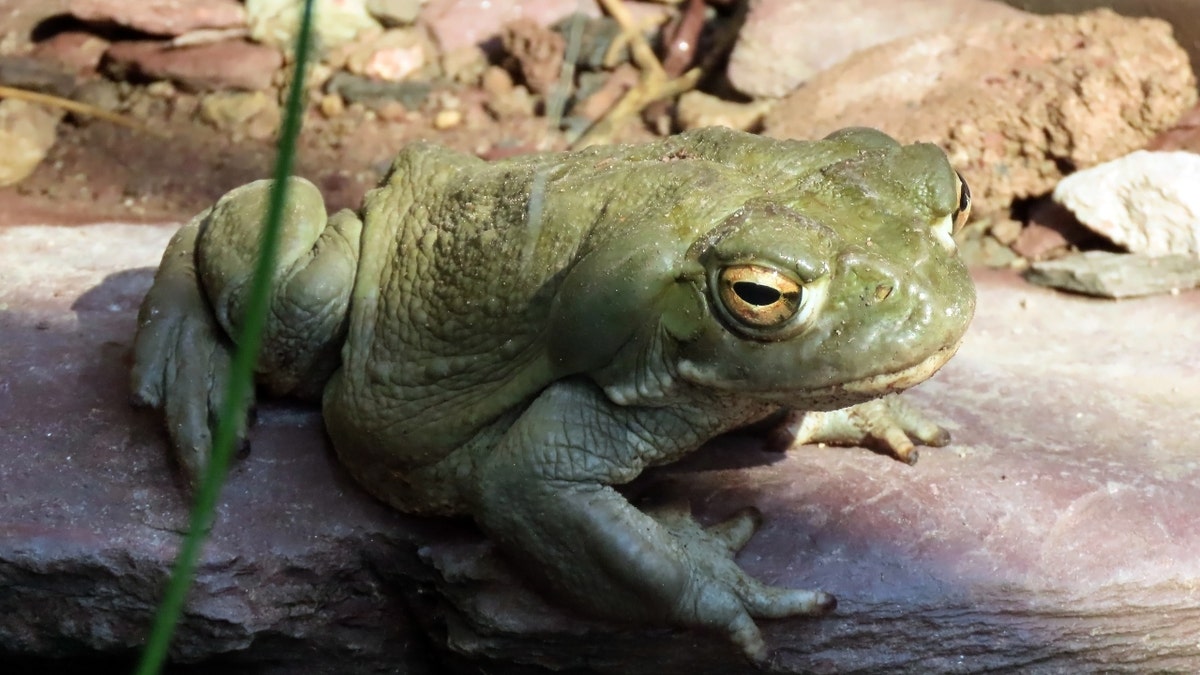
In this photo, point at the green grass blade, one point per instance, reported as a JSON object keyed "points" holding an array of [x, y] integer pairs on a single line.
{"points": [[242, 372]]}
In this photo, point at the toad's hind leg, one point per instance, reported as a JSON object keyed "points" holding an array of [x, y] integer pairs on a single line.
{"points": [[200, 298]]}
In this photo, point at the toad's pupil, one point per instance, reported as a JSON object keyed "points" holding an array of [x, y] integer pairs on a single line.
{"points": [[756, 294]]}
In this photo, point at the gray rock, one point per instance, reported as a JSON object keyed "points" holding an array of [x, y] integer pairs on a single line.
{"points": [[1117, 275], [1147, 202], [358, 89], [162, 17], [1057, 533]]}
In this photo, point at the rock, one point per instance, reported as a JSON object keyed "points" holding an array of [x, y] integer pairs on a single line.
{"points": [[1050, 232], [986, 251], [1038, 242], [1183, 15], [465, 65], [1005, 230], [276, 22], [209, 67], [1147, 202], [697, 109], [250, 114], [27, 132], [1053, 535], [394, 12], [392, 56], [358, 89], [32, 74], [1183, 135], [504, 99], [785, 42], [1117, 275], [76, 51], [538, 52], [464, 23], [1016, 104], [162, 17]]}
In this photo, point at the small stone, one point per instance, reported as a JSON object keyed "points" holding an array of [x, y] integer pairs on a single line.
{"points": [[985, 251], [332, 106], [447, 119], [697, 109], [538, 51], [1051, 231], [1147, 202], [1038, 242], [496, 81], [161, 89], [210, 67], [1005, 230], [1117, 275], [393, 55], [246, 114], [504, 99], [75, 50], [465, 65], [101, 93], [162, 17], [27, 132], [395, 12], [276, 22]]}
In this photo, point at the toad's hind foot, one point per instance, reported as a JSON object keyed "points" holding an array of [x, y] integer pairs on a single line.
{"points": [[181, 356]]}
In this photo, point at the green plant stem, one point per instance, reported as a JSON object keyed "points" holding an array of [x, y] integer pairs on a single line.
{"points": [[241, 373]]}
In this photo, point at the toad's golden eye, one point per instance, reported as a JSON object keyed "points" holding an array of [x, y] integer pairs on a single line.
{"points": [[964, 203], [757, 296]]}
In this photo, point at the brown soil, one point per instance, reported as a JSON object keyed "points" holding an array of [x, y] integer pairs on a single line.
{"points": [[98, 171]]}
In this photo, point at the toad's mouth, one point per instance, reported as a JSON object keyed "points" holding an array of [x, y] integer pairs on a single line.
{"points": [[899, 380]]}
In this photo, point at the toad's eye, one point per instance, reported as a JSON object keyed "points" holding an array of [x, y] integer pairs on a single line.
{"points": [[964, 203], [757, 296]]}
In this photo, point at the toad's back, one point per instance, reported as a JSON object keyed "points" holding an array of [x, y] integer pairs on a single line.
{"points": [[460, 272]]}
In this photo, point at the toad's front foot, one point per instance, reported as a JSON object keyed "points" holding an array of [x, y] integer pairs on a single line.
{"points": [[720, 595], [889, 424]]}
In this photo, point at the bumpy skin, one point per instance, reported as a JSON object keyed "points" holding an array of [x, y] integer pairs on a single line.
{"points": [[517, 337]]}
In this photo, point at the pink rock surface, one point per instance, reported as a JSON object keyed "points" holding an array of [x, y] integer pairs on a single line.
{"points": [[463, 23], [785, 42], [233, 64], [1059, 532], [162, 17]]}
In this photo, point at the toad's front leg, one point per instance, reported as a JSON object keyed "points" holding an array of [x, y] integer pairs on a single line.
{"points": [[544, 494]]}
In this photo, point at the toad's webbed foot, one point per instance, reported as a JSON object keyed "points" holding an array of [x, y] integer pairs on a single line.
{"points": [[543, 493], [181, 355], [200, 299], [725, 589], [889, 424]]}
